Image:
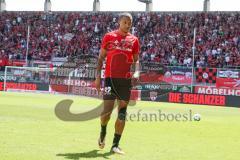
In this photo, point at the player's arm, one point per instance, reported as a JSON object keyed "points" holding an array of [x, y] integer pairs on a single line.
{"points": [[136, 66], [101, 58]]}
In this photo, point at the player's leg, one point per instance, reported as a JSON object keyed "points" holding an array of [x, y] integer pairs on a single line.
{"points": [[107, 111], [109, 99], [123, 91], [119, 125], [105, 117]]}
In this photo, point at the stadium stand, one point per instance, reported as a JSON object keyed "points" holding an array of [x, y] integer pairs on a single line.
{"points": [[166, 37]]}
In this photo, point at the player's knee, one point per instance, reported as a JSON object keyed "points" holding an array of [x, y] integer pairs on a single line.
{"points": [[106, 115], [106, 112], [105, 118], [122, 113], [123, 104]]}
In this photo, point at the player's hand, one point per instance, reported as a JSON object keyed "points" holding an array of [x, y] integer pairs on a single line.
{"points": [[98, 84], [134, 81], [135, 78]]}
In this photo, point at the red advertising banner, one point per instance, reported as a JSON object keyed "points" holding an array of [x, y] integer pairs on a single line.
{"points": [[58, 88], [24, 86], [178, 79], [6, 62], [228, 82], [19, 63], [217, 91], [189, 98], [71, 82], [87, 91], [150, 77], [156, 78]]}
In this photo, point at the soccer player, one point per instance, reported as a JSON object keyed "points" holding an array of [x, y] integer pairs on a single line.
{"points": [[121, 50]]}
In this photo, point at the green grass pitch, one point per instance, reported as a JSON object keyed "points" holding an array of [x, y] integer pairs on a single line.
{"points": [[29, 130]]}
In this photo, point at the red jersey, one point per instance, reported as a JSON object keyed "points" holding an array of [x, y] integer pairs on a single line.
{"points": [[120, 51]]}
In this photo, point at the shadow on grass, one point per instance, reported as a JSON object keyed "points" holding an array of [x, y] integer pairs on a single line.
{"points": [[90, 154]]}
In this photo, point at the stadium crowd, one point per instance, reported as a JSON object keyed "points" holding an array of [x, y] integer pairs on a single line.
{"points": [[165, 37]]}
